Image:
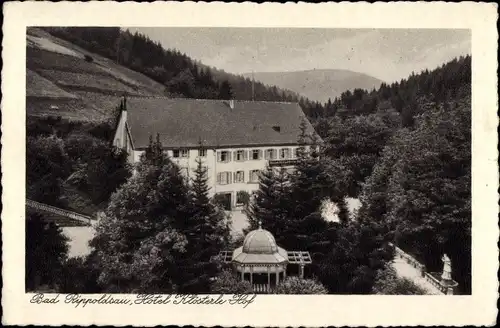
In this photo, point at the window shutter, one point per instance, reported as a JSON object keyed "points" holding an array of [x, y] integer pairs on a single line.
{"points": [[242, 176], [260, 153], [218, 178], [234, 176], [218, 156], [274, 154], [228, 156], [229, 178], [245, 155], [235, 155]]}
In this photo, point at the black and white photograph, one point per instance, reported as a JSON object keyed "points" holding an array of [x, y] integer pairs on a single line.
{"points": [[240, 164], [248, 160]]}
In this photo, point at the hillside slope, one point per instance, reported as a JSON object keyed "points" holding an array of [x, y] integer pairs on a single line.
{"points": [[318, 85], [181, 75], [65, 80]]}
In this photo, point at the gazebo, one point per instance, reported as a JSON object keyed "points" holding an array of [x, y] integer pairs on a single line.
{"points": [[260, 258]]}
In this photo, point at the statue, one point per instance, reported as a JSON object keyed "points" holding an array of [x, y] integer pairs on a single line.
{"points": [[446, 268]]}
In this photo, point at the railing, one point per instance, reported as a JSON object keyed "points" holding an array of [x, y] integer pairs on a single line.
{"points": [[409, 259], [433, 281], [262, 289], [442, 286], [80, 218]]}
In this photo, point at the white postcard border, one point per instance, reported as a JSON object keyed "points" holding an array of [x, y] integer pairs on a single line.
{"points": [[272, 310]]}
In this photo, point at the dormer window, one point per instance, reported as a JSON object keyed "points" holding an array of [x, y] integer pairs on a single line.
{"points": [[277, 128]]}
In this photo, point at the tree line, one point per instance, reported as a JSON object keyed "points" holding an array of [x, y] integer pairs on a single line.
{"points": [[438, 86]]}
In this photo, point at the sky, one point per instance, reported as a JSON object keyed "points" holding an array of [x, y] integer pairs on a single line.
{"points": [[387, 54]]}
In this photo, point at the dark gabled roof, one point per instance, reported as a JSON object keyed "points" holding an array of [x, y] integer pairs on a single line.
{"points": [[184, 122]]}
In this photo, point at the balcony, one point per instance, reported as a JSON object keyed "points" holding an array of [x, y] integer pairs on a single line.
{"points": [[282, 162]]}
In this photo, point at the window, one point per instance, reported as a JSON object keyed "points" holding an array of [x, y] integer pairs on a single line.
{"points": [[256, 154], [239, 177], [270, 154], [223, 156], [254, 176], [284, 153], [224, 178], [296, 152], [202, 152], [240, 155], [184, 153], [175, 153]]}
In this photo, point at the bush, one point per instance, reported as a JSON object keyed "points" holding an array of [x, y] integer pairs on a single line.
{"points": [[80, 275], [388, 283], [296, 285], [227, 283]]}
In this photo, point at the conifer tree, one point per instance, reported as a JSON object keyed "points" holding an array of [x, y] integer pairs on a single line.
{"points": [[343, 211], [140, 242], [207, 231], [225, 90], [271, 205], [310, 181], [46, 252]]}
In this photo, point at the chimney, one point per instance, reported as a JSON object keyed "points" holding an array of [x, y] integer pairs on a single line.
{"points": [[231, 103]]}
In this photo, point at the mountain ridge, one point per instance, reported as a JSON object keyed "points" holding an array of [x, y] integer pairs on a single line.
{"points": [[318, 84]]}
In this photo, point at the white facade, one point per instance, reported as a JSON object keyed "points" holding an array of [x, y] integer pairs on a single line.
{"points": [[237, 172], [229, 170]]}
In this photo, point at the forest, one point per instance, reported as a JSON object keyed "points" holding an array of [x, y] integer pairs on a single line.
{"points": [[404, 150]]}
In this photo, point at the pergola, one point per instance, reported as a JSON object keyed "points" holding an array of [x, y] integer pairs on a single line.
{"points": [[260, 255]]}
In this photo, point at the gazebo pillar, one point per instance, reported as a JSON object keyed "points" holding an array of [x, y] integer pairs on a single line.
{"points": [[302, 271], [277, 276], [251, 275], [268, 278], [242, 273], [284, 273]]}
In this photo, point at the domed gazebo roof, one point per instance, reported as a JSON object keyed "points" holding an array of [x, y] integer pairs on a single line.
{"points": [[259, 247], [260, 241]]}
